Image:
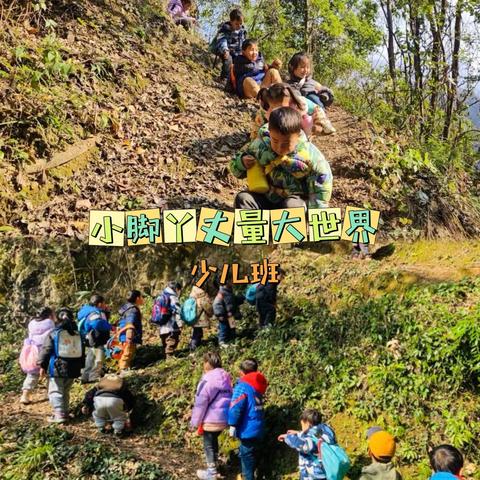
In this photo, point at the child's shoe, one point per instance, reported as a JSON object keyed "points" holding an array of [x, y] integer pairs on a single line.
{"points": [[118, 433], [327, 126], [102, 430], [58, 418], [209, 474], [25, 398]]}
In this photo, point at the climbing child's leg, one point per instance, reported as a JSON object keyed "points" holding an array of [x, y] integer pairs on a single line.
{"points": [[271, 78], [250, 88]]}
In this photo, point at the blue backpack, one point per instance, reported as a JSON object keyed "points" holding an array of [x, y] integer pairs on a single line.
{"points": [[188, 313], [334, 459], [251, 293], [162, 310]]}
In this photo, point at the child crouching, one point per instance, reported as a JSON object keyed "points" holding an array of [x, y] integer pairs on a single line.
{"points": [[109, 402]]}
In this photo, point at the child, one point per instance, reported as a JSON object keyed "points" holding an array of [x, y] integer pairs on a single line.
{"points": [[306, 443], [381, 449], [297, 173], [251, 73], [226, 310], [266, 301], [204, 314], [95, 330], [63, 357], [447, 463], [170, 330], [210, 412], [109, 401], [246, 416], [131, 317], [229, 40], [299, 69], [179, 11], [38, 330]]}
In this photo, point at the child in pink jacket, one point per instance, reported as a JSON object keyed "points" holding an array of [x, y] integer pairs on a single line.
{"points": [[179, 11], [210, 411]]}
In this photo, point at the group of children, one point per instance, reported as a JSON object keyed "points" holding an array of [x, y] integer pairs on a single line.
{"points": [[63, 344]]}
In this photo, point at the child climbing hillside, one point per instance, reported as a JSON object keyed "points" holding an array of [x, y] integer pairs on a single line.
{"points": [[250, 72], [246, 415], [293, 172], [381, 449], [300, 71], [204, 307], [179, 10], [314, 120], [226, 309], [446, 462], [38, 330], [306, 442], [95, 331], [266, 301], [210, 412], [109, 402], [62, 358], [130, 326], [229, 40]]}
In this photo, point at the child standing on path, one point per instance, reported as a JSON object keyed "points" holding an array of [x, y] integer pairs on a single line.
{"points": [[95, 330], [446, 462], [204, 314], [229, 41], [210, 412], [131, 322], [38, 330], [306, 443], [171, 329], [63, 358], [381, 449], [109, 401], [226, 310], [246, 415], [266, 301]]}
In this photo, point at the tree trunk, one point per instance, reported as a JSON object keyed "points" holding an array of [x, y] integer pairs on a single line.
{"points": [[387, 11]]}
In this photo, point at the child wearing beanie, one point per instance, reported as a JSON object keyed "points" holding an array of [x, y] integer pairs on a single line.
{"points": [[381, 449]]}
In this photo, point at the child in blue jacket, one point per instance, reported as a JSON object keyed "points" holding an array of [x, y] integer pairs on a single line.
{"points": [[306, 443], [246, 416], [446, 462], [95, 331]]}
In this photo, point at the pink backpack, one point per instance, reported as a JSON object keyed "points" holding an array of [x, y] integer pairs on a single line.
{"points": [[29, 357]]}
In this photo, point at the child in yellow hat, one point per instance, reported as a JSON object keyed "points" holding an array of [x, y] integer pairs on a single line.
{"points": [[381, 449]]}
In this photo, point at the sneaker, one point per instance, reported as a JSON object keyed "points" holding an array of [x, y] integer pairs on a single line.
{"points": [[125, 373], [118, 433], [25, 398], [327, 126], [223, 345], [208, 474], [102, 430], [57, 419]]}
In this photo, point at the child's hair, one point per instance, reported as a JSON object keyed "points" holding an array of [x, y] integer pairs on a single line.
{"points": [[96, 300], [249, 365], [278, 92], [281, 271], [446, 458], [187, 3], [213, 359], [248, 43], [286, 121], [65, 319], [133, 295], [44, 313], [236, 15], [296, 60], [311, 416], [175, 285]]}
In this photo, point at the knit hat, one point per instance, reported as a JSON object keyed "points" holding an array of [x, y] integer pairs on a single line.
{"points": [[381, 444]]}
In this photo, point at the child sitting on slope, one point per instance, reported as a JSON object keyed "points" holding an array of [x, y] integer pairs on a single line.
{"points": [[179, 11]]}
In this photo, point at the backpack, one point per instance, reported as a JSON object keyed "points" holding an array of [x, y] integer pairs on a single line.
{"points": [[251, 293], [114, 347], [188, 312], [94, 338], [67, 346], [29, 357], [334, 459], [162, 310]]}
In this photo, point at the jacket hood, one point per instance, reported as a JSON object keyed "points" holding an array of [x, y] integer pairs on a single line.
{"points": [[257, 381], [86, 310], [126, 307], [170, 291], [219, 377]]}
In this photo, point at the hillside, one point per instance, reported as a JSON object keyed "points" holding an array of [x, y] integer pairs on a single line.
{"points": [[110, 106], [336, 323]]}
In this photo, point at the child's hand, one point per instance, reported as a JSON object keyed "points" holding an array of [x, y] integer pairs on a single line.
{"points": [[232, 431], [292, 432], [42, 373], [281, 438], [85, 410], [248, 161], [225, 54], [277, 63]]}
